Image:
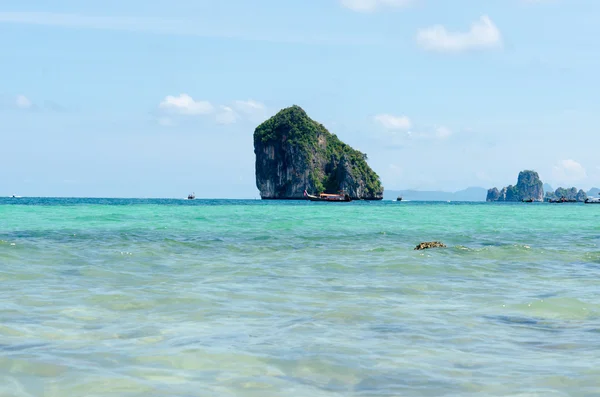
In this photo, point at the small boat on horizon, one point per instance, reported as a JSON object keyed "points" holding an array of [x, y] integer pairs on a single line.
{"points": [[562, 200], [335, 198], [593, 200], [399, 198], [191, 196]]}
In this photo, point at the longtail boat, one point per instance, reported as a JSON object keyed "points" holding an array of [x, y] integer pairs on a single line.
{"points": [[336, 198], [562, 200]]}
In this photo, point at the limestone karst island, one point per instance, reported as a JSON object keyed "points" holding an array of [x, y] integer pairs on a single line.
{"points": [[530, 188], [298, 158], [296, 155]]}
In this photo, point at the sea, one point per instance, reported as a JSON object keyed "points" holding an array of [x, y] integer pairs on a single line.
{"points": [[133, 297]]}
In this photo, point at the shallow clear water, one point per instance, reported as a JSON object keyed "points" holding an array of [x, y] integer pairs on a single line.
{"points": [[252, 298]]}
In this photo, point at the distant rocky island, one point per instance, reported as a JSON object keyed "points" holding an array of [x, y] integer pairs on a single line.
{"points": [[528, 187], [571, 194], [295, 154]]}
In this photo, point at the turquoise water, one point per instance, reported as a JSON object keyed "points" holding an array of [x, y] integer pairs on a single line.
{"points": [[253, 298]]}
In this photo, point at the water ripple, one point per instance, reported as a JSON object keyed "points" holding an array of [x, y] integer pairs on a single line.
{"points": [[155, 298]]}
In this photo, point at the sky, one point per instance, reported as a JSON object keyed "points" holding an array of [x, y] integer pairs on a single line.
{"points": [[156, 98]]}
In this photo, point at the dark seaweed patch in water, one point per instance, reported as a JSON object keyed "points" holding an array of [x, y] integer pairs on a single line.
{"points": [[70, 272], [262, 238], [548, 295], [21, 347], [589, 263], [512, 320], [297, 321], [92, 327], [393, 384], [539, 345], [332, 386], [493, 244], [387, 328], [532, 323]]}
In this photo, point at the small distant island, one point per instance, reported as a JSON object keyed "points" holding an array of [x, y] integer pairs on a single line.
{"points": [[571, 194], [529, 187], [295, 154]]}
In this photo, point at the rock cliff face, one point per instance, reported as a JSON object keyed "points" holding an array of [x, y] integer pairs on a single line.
{"points": [[494, 195], [294, 153], [529, 186]]}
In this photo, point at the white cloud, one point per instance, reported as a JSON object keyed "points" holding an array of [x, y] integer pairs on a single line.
{"points": [[185, 104], [568, 171], [439, 133], [372, 5], [23, 102], [226, 115], [394, 124], [443, 132], [391, 122], [250, 106], [483, 34]]}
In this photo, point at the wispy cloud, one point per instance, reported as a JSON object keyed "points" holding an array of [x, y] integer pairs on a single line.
{"points": [[182, 27], [568, 171], [443, 132], [391, 122], [438, 134], [172, 107], [22, 102], [185, 104], [250, 106], [253, 110], [398, 131], [372, 5], [483, 34], [226, 115]]}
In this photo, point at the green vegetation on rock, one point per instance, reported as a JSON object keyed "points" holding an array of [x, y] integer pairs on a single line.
{"points": [[294, 152], [528, 187]]}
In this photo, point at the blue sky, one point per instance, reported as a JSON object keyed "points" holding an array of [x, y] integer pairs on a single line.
{"points": [[160, 98]]}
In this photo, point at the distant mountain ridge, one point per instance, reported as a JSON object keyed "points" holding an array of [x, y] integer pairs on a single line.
{"points": [[593, 192], [468, 194]]}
